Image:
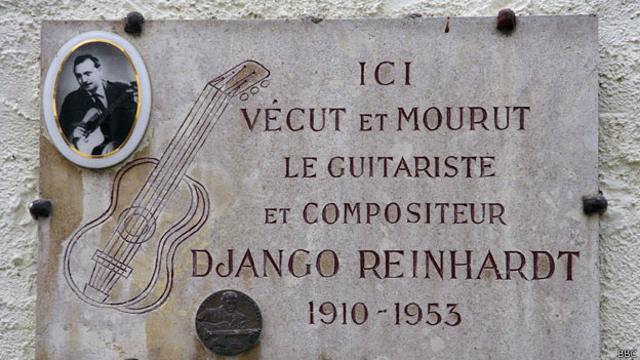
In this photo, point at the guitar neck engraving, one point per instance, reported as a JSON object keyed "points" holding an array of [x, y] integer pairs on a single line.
{"points": [[185, 145]]}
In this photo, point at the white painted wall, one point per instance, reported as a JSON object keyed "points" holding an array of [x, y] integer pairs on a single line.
{"points": [[619, 75]]}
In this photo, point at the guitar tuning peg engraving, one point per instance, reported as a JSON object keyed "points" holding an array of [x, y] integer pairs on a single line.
{"points": [[264, 83], [254, 90], [244, 97]]}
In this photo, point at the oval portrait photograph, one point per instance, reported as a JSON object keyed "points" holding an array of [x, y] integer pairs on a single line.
{"points": [[96, 99]]}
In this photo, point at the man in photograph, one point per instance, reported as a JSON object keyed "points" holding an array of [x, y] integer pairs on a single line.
{"points": [[98, 116]]}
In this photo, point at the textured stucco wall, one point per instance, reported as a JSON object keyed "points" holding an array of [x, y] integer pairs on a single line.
{"points": [[619, 75]]}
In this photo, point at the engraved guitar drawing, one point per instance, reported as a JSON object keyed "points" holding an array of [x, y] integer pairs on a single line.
{"points": [[107, 260]]}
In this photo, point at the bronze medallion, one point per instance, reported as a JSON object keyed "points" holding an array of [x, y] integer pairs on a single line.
{"points": [[228, 322]]}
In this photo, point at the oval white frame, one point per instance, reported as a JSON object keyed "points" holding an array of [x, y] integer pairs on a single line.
{"points": [[144, 98]]}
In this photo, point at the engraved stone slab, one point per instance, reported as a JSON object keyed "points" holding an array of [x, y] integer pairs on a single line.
{"points": [[383, 189]]}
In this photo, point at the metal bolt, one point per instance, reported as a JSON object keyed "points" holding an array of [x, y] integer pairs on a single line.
{"points": [[40, 208], [133, 23], [593, 204], [506, 21]]}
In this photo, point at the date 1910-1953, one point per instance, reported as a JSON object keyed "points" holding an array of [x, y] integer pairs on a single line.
{"points": [[433, 314]]}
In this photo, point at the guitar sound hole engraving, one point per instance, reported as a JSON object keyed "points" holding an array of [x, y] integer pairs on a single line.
{"points": [[136, 225]]}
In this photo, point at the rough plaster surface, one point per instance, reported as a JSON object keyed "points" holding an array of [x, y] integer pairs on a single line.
{"points": [[619, 74]]}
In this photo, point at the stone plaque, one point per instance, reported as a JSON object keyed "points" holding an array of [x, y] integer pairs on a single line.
{"points": [[382, 189]]}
